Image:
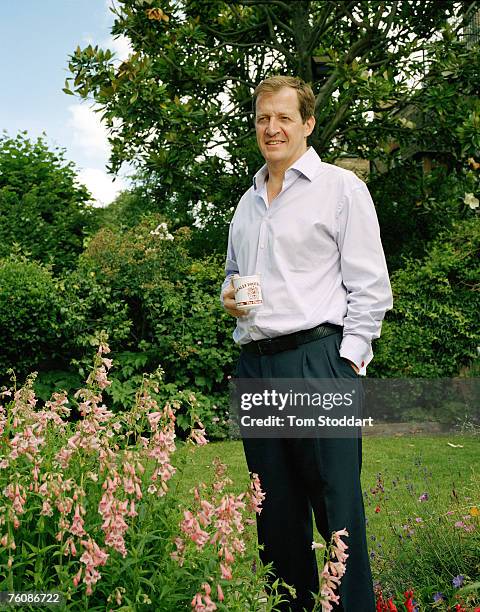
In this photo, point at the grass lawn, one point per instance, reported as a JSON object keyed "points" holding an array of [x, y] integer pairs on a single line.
{"points": [[409, 467], [417, 460]]}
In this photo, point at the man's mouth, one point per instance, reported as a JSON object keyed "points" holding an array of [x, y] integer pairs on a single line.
{"points": [[274, 142]]}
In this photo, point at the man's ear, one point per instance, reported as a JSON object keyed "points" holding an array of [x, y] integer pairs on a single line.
{"points": [[309, 125]]}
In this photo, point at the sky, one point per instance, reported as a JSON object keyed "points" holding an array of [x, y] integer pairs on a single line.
{"points": [[36, 38]]}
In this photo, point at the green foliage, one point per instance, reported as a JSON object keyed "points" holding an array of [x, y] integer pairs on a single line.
{"points": [[414, 208], [42, 207], [171, 301], [30, 318], [46, 322], [88, 306], [447, 105], [179, 107], [433, 330]]}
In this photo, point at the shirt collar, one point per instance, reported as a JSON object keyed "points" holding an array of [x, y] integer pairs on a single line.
{"points": [[308, 165]]}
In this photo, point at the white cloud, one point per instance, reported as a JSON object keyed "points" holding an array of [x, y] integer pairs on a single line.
{"points": [[89, 133], [101, 185], [90, 136], [121, 46]]}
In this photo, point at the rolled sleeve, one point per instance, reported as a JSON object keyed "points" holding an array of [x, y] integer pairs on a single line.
{"points": [[364, 274]]}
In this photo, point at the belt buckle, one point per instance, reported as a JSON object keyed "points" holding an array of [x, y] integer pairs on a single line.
{"points": [[270, 346], [267, 343]]}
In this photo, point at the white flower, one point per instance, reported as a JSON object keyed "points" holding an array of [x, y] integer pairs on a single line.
{"points": [[471, 200], [162, 231]]}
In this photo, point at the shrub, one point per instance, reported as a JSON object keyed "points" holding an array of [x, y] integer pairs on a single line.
{"points": [[433, 328], [30, 318], [42, 206], [173, 304], [415, 208]]}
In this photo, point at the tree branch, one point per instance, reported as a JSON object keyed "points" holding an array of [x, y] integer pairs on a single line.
{"points": [[379, 15], [273, 37], [390, 18], [222, 35], [330, 129], [345, 10], [284, 5], [320, 26], [279, 22]]}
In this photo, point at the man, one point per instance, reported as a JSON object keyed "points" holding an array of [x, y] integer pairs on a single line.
{"points": [[310, 230]]}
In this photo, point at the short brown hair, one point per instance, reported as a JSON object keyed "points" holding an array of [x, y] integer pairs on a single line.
{"points": [[306, 97]]}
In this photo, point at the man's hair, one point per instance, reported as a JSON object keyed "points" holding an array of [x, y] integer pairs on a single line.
{"points": [[306, 97]]}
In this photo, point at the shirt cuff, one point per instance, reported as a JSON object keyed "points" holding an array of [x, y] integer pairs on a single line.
{"points": [[225, 284], [358, 351]]}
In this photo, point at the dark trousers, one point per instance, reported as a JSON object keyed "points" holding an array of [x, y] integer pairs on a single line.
{"points": [[301, 475]]}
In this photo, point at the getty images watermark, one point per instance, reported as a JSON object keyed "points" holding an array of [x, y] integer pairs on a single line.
{"points": [[292, 408], [325, 408]]}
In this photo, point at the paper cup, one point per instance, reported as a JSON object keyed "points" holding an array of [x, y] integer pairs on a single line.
{"points": [[248, 291]]}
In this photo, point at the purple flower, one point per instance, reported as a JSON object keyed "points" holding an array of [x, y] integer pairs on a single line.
{"points": [[438, 597], [423, 497], [458, 581]]}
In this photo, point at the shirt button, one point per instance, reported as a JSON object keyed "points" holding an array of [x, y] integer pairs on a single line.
{"points": [[252, 328], [262, 246]]}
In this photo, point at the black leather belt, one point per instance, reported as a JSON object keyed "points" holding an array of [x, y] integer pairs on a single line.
{"points": [[270, 346]]}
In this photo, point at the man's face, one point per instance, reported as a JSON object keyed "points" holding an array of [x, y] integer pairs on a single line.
{"points": [[281, 134]]}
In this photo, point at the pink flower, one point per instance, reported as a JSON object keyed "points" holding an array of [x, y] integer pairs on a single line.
{"points": [[198, 436], [197, 603], [77, 523], [333, 571], [70, 547], [93, 557], [178, 554], [76, 578], [256, 495], [192, 529], [226, 571]]}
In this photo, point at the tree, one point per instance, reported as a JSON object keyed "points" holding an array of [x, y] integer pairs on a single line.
{"points": [[43, 209], [180, 105], [433, 164]]}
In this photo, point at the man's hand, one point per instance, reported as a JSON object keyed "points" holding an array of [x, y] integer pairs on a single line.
{"points": [[229, 302], [352, 364]]}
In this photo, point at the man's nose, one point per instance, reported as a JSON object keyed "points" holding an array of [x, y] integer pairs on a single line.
{"points": [[272, 128]]}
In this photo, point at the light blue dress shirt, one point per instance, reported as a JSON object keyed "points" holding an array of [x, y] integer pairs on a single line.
{"points": [[317, 249]]}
